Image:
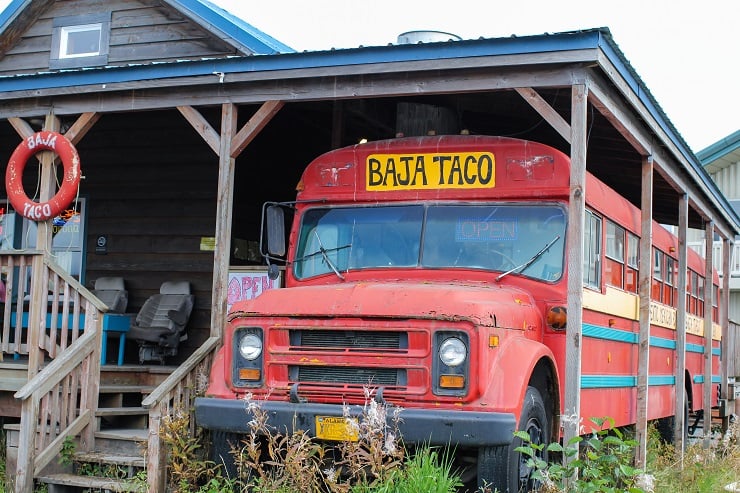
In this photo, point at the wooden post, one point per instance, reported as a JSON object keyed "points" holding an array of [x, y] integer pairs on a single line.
{"points": [[576, 219], [224, 208], [708, 293], [680, 357], [645, 281], [43, 243], [724, 320]]}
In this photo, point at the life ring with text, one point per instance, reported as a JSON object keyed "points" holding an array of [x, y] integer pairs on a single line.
{"points": [[42, 141]]}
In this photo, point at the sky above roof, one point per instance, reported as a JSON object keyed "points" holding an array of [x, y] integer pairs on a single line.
{"points": [[684, 51]]}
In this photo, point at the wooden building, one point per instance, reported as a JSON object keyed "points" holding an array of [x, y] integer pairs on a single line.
{"points": [[186, 119]]}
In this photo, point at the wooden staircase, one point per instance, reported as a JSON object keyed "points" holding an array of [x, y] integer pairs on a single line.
{"points": [[121, 436]]}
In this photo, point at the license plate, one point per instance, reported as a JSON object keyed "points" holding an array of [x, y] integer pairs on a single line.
{"points": [[335, 428]]}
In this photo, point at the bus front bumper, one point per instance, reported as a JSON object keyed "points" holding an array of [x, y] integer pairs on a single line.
{"points": [[428, 426]]}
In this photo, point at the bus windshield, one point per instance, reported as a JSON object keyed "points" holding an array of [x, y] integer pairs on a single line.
{"points": [[526, 239]]}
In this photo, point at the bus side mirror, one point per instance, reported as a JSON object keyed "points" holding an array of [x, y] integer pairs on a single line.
{"points": [[273, 271], [275, 230]]}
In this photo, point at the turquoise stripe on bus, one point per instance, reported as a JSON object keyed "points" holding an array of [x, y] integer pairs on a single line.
{"points": [[622, 381], [662, 342], [609, 334], [694, 348], [599, 332]]}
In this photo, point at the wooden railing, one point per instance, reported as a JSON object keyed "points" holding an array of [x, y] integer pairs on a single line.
{"points": [[60, 399], [176, 394], [56, 323]]}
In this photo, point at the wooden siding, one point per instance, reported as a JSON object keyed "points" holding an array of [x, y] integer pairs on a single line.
{"points": [[142, 31]]}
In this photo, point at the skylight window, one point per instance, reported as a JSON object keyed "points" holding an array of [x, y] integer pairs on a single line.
{"points": [[80, 41]]}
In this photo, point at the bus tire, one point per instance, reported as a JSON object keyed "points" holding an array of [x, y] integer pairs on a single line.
{"points": [[666, 426], [502, 468]]}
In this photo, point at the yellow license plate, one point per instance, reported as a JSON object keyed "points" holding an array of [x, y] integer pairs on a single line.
{"points": [[339, 429]]}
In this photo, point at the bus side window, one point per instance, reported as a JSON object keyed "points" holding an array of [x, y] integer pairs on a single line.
{"points": [[592, 251], [614, 265], [633, 263]]}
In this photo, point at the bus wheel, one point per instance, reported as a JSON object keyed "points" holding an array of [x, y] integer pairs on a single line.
{"points": [[666, 426], [504, 469]]}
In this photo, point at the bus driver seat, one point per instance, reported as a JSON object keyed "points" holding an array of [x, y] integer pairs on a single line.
{"points": [[160, 324]]}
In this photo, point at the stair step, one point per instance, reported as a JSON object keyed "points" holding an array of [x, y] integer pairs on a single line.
{"points": [[125, 434], [121, 411], [123, 441], [92, 482], [107, 458], [126, 389]]}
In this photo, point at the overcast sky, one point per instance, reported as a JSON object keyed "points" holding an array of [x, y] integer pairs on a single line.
{"points": [[686, 52]]}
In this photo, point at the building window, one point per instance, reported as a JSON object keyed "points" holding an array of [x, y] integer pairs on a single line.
{"points": [[80, 41]]}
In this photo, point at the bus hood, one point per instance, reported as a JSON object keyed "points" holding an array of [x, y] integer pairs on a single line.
{"points": [[484, 304]]}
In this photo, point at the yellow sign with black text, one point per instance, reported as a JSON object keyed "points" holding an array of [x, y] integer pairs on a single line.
{"points": [[432, 171]]}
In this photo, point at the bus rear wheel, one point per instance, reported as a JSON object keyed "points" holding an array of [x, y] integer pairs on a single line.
{"points": [[502, 468]]}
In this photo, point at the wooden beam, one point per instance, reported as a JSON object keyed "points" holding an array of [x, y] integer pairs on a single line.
{"points": [[201, 125], [546, 111], [681, 396], [574, 237], [645, 277], [160, 93], [254, 126], [21, 126], [81, 126], [315, 88]]}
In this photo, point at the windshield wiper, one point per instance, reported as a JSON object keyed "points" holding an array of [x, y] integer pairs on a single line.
{"points": [[521, 268], [324, 253]]}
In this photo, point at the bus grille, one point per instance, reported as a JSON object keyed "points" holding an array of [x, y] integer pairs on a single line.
{"points": [[347, 340], [348, 375]]}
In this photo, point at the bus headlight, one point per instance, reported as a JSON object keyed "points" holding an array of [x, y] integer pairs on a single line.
{"points": [[452, 352], [250, 347]]}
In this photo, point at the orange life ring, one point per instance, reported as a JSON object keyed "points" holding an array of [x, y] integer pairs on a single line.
{"points": [[42, 141]]}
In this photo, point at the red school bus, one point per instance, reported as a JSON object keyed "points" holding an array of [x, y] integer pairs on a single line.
{"points": [[432, 271]]}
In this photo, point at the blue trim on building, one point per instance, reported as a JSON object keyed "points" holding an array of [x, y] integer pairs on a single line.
{"points": [[257, 41], [10, 12]]}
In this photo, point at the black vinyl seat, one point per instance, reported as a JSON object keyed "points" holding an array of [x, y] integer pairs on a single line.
{"points": [[160, 324]]}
